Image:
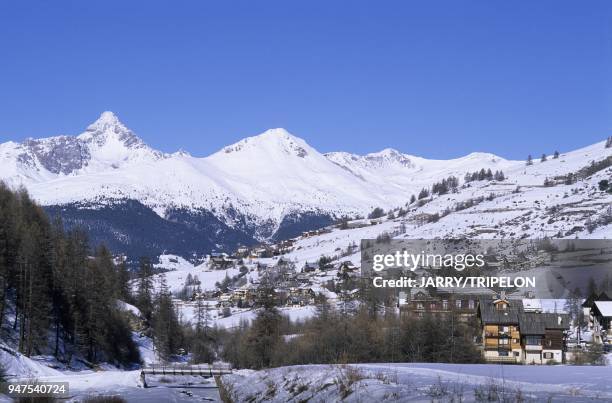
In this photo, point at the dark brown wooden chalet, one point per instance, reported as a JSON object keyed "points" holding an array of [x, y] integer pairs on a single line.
{"points": [[423, 302]]}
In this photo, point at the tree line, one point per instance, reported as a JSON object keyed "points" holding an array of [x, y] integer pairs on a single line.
{"points": [[484, 175], [367, 331], [57, 295]]}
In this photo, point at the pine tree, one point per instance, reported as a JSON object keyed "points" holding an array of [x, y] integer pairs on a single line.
{"points": [[166, 325], [499, 176], [201, 345], [123, 282], [529, 160], [556, 155], [264, 335], [144, 297], [543, 158], [482, 175]]}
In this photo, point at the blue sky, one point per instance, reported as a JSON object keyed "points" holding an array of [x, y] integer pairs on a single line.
{"points": [[433, 78]]}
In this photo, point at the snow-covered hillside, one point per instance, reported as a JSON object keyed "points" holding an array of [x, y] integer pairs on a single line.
{"points": [[249, 190]]}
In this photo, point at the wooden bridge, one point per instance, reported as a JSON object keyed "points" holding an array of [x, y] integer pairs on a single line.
{"points": [[203, 370]]}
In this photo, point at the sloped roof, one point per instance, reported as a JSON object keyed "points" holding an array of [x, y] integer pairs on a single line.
{"points": [[559, 321], [604, 307], [588, 303], [531, 323], [490, 314]]}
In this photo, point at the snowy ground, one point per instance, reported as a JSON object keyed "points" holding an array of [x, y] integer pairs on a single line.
{"points": [[126, 384], [109, 381], [421, 382]]}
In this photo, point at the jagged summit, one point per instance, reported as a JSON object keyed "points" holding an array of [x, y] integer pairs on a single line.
{"points": [[105, 144], [107, 121], [108, 126]]}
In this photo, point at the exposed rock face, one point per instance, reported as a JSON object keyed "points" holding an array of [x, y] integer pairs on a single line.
{"points": [[62, 154]]}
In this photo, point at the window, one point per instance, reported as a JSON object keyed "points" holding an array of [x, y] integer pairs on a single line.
{"points": [[444, 304], [548, 356], [458, 303], [532, 340], [432, 305], [502, 353], [471, 304], [516, 353], [504, 329], [504, 341], [420, 305]]}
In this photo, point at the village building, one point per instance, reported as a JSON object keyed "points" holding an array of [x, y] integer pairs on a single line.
{"points": [[512, 335], [347, 267], [261, 252], [309, 268], [356, 224], [600, 319], [422, 301], [500, 330], [300, 296], [242, 251], [543, 337], [302, 278], [587, 305], [221, 260]]}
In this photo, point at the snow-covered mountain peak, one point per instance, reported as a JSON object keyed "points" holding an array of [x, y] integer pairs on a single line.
{"points": [[110, 142], [109, 127], [270, 142], [389, 156], [107, 118], [480, 156]]}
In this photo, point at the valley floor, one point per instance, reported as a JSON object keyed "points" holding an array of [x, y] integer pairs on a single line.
{"points": [[407, 382]]}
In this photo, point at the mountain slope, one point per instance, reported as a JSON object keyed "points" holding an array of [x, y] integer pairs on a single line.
{"points": [[273, 185]]}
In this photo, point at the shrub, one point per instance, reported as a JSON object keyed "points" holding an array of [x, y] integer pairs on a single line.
{"points": [[376, 213]]}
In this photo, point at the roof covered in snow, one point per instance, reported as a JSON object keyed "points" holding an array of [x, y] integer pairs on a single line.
{"points": [[604, 307]]}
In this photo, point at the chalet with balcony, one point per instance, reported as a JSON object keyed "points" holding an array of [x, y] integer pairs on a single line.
{"points": [[543, 337], [423, 301], [511, 334], [501, 337]]}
